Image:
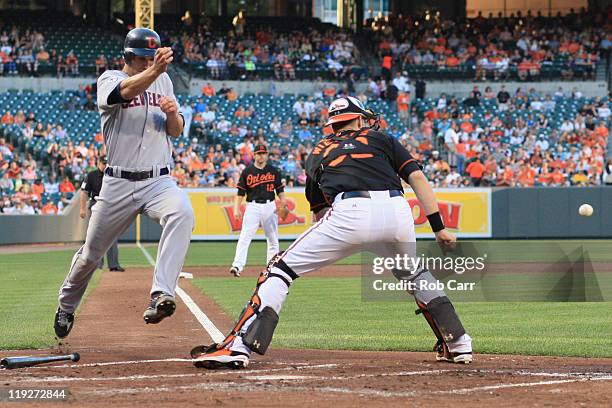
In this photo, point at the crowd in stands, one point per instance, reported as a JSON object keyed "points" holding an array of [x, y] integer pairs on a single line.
{"points": [[518, 46], [26, 189], [45, 184], [494, 48], [235, 54], [22, 52], [514, 139], [241, 54], [519, 138], [457, 147]]}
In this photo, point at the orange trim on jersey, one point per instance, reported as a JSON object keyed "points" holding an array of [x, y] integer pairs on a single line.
{"points": [[242, 188], [337, 160], [330, 148], [362, 139], [361, 155], [405, 163]]}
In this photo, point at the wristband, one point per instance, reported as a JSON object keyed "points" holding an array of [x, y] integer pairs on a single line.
{"points": [[435, 221]]}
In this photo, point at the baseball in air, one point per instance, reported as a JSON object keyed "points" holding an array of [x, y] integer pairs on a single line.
{"points": [[585, 210]]}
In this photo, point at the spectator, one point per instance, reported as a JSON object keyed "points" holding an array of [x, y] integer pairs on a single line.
{"points": [[6, 183], [52, 186], [223, 125], [304, 134], [208, 90], [607, 175], [475, 170], [419, 88], [451, 139], [208, 116], [42, 56], [403, 104], [503, 97], [275, 125], [401, 82], [187, 112], [49, 208], [66, 186], [200, 106]]}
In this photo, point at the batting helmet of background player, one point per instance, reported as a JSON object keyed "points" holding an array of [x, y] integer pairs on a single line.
{"points": [[348, 108], [140, 42]]}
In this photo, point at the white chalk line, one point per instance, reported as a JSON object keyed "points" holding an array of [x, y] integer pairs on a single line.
{"points": [[529, 384], [301, 365], [349, 377], [212, 330], [201, 373], [258, 375], [165, 360], [113, 363], [242, 387]]}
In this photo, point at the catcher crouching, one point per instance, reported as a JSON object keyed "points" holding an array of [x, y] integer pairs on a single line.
{"points": [[355, 191]]}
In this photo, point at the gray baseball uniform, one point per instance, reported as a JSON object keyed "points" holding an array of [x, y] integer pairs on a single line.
{"points": [[136, 140]]}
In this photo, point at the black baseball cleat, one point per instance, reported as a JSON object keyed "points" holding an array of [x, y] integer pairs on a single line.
{"points": [[443, 354], [162, 305], [235, 271], [117, 269], [211, 357], [63, 323]]}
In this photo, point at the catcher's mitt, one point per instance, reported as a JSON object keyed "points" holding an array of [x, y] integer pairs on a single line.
{"points": [[283, 212]]}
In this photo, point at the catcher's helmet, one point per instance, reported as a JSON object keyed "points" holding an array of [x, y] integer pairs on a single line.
{"points": [[348, 108], [141, 42]]}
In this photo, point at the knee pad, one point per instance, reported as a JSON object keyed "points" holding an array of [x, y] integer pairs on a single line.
{"points": [[277, 262], [442, 318]]}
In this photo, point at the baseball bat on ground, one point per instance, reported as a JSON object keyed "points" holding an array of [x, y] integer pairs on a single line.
{"points": [[21, 362]]}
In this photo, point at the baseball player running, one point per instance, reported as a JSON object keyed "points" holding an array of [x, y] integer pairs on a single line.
{"points": [[354, 189], [258, 182], [138, 114]]}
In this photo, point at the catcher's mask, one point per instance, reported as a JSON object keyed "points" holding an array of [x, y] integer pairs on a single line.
{"points": [[348, 108]]}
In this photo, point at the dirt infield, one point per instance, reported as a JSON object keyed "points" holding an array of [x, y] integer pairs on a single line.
{"points": [[125, 362]]}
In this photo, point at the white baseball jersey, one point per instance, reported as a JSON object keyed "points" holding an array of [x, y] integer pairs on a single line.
{"points": [[133, 130]]}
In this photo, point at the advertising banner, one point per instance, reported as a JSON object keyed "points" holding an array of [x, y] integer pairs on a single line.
{"points": [[466, 212]]}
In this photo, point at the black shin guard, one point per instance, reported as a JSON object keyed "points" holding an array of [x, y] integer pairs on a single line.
{"points": [[442, 318], [259, 334]]}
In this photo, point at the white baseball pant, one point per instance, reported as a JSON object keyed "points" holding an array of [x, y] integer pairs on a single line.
{"points": [[257, 215], [351, 225]]}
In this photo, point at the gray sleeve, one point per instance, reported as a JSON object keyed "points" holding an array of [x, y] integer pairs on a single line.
{"points": [[107, 83]]}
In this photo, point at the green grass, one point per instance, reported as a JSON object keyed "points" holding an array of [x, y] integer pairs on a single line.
{"points": [[328, 313], [324, 313], [30, 284], [222, 254]]}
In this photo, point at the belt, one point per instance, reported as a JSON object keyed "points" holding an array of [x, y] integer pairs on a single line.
{"points": [[259, 201], [136, 175], [366, 194]]}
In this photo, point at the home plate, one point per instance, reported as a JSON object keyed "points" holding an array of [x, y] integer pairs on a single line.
{"points": [[186, 275]]}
